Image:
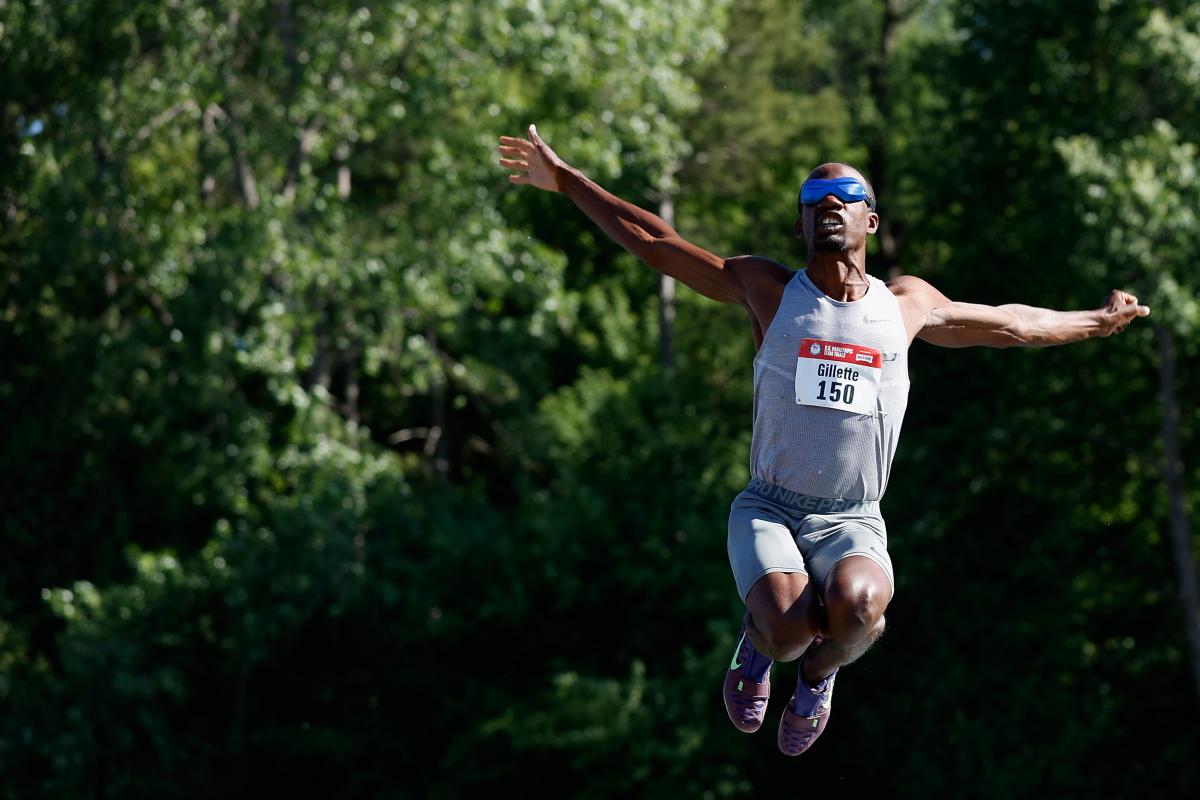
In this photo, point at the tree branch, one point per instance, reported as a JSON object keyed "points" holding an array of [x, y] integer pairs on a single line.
{"points": [[247, 184], [187, 106], [306, 139]]}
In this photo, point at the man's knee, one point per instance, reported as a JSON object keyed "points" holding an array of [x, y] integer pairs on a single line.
{"points": [[855, 606]]}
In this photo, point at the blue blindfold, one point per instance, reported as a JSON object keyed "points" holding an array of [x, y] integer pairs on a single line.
{"points": [[848, 190]]}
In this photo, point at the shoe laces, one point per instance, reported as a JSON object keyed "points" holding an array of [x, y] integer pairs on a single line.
{"points": [[749, 705], [796, 737], [812, 701]]}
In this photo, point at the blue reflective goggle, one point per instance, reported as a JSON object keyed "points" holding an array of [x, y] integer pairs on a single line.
{"points": [[848, 190]]}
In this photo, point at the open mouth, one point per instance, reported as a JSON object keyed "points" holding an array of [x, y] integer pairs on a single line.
{"points": [[829, 223]]}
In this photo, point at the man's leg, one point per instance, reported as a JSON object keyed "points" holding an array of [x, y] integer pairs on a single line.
{"points": [[775, 627], [857, 591], [770, 575], [856, 595], [785, 615]]}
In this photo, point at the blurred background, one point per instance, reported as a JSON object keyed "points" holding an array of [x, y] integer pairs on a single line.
{"points": [[332, 465]]}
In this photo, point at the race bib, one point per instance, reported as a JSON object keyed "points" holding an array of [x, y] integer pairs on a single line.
{"points": [[837, 375]]}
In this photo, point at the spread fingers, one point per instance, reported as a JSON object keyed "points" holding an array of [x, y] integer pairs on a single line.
{"points": [[522, 145]]}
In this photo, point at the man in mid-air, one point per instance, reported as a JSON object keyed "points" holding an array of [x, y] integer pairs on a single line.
{"points": [[806, 541]]}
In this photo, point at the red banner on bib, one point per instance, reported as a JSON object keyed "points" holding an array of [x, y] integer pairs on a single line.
{"points": [[855, 354]]}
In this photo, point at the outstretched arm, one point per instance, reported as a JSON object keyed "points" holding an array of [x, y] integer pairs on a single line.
{"points": [[645, 235], [934, 318]]}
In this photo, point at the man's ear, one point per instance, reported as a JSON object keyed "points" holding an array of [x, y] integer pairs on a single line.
{"points": [[799, 228], [872, 222]]}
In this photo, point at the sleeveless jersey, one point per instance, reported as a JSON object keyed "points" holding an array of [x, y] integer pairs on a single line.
{"points": [[830, 390]]}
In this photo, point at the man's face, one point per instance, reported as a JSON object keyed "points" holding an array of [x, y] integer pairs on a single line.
{"points": [[832, 225]]}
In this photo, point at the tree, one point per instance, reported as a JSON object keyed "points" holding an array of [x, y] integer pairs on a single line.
{"points": [[293, 404], [1139, 199]]}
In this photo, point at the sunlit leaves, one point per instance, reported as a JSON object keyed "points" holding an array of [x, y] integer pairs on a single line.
{"points": [[1140, 201]]}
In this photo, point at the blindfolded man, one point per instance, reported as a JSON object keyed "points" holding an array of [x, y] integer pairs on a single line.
{"points": [[806, 541]]}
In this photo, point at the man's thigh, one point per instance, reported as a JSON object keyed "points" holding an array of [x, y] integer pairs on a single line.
{"points": [[824, 540], [761, 541]]}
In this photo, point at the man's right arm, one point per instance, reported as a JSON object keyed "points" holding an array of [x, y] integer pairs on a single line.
{"points": [[640, 232]]}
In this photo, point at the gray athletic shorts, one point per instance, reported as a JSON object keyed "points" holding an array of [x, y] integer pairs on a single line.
{"points": [[772, 529]]}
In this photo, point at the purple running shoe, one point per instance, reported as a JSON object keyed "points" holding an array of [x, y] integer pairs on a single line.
{"points": [[747, 684], [806, 715]]}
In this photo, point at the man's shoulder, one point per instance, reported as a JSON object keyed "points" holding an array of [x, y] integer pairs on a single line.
{"points": [[917, 297], [759, 268], [908, 285], [917, 292]]}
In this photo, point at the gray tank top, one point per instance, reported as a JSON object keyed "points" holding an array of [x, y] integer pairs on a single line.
{"points": [[830, 390]]}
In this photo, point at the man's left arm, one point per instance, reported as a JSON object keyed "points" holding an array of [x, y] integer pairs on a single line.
{"points": [[933, 317]]}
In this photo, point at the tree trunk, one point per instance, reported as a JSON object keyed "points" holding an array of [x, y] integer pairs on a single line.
{"points": [[666, 284], [878, 144], [1181, 527], [878, 164], [666, 322], [343, 170], [435, 444], [350, 401], [321, 371]]}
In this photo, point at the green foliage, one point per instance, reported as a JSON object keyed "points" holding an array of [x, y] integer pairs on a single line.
{"points": [[1142, 202]]}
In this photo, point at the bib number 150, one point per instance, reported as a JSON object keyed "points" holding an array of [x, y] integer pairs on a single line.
{"points": [[837, 392]]}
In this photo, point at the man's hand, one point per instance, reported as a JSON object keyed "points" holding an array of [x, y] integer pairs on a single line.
{"points": [[1118, 311], [536, 164]]}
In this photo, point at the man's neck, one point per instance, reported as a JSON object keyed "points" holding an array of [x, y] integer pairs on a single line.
{"points": [[842, 276]]}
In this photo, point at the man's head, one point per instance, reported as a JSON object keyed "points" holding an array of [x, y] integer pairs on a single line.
{"points": [[839, 214]]}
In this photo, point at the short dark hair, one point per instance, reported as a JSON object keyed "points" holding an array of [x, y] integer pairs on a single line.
{"points": [[866, 182]]}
